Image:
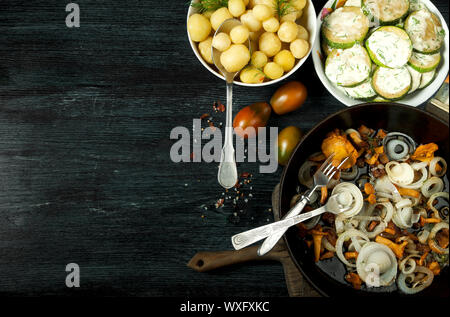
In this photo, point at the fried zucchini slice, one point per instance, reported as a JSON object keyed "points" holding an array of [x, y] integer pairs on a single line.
{"points": [[389, 46], [425, 30], [392, 83], [344, 27], [387, 12], [349, 67], [424, 63]]}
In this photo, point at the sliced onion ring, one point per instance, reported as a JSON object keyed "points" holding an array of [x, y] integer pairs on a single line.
{"points": [[403, 218], [419, 165], [387, 270], [420, 182], [438, 227], [403, 203], [384, 220], [391, 149], [431, 200], [384, 185], [400, 173], [432, 186], [304, 174], [396, 139], [408, 261], [357, 197], [401, 281], [350, 175], [340, 244], [433, 165]]}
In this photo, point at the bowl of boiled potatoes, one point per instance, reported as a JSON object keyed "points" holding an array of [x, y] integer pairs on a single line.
{"points": [[281, 34]]}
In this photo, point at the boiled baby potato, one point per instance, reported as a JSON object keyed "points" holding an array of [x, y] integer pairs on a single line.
{"points": [[273, 70], [236, 7], [199, 27], [239, 34], [207, 14], [302, 33], [291, 16], [262, 12], [269, 44], [269, 3], [205, 50], [288, 31], [221, 42], [299, 4], [271, 25], [250, 21], [219, 16], [259, 59], [299, 48], [285, 59], [252, 75], [235, 58]]}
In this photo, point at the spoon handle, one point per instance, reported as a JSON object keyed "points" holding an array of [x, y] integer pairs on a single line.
{"points": [[227, 175]]}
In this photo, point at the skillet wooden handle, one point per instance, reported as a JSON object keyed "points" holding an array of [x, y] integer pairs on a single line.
{"points": [[207, 261]]}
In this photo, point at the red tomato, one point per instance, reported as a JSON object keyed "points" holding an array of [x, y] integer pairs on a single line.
{"points": [[255, 115], [289, 97]]}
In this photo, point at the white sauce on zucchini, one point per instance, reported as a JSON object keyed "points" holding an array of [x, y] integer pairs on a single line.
{"points": [[425, 60], [415, 5], [387, 10], [349, 67], [393, 81], [425, 31], [346, 24], [363, 91], [389, 48], [353, 3]]}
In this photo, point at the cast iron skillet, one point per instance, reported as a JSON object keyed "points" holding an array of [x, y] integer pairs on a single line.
{"points": [[328, 276]]}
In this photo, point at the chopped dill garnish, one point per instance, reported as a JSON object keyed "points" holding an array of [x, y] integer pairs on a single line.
{"points": [[209, 5], [283, 7]]}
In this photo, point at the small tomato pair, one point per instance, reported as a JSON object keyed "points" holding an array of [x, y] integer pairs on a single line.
{"points": [[289, 97]]}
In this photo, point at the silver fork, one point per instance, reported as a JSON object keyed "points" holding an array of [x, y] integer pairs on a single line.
{"points": [[249, 237], [321, 178]]}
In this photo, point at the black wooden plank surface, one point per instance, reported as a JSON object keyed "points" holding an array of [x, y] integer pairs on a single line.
{"points": [[85, 173]]}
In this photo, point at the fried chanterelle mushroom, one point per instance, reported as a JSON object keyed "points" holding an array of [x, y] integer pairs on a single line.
{"points": [[337, 143]]}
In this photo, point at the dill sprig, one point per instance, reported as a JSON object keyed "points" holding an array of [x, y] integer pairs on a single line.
{"points": [[283, 7], [209, 5]]}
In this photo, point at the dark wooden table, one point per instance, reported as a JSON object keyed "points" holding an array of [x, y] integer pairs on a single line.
{"points": [[85, 173]]}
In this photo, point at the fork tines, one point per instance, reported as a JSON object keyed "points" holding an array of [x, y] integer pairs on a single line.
{"points": [[330, 169]]}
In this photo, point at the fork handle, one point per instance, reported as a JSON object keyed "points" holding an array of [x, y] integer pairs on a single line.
{"points": [[271, 240], [249, 237]]}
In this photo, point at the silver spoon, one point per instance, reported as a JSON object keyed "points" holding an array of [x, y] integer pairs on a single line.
{"points": [[227, 175]]}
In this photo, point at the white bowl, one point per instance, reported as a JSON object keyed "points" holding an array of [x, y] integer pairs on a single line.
{"points": [[308, 20], [416, 98]]}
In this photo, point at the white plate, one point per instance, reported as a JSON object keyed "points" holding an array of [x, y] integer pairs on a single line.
{"points": [[416, 98], [308, 20]]}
